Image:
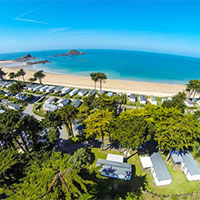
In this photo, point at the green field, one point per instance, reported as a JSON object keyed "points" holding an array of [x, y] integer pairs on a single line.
{"points": [[179, 185]]}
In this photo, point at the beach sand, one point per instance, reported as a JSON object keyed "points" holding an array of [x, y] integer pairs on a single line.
{"points": [[136, 87]]}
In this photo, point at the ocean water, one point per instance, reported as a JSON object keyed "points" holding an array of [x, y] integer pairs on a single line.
{"points": [[120, 64]]}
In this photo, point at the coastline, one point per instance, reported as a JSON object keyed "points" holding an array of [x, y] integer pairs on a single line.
{"points": [[145, 88]]}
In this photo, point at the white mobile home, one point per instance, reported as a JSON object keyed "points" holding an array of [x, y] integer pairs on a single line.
{"points": [[76, 103], [50, 89], [51, 100], [82, 92], [142, 99], [74, 92], [91, 92], [65, 91], [110, 94], [49, 107], [153, 100], [58, 89], [64, 102], [132, 98], [163, 100], [190, 167], [37, 88], [43, 88], [159, 170]]}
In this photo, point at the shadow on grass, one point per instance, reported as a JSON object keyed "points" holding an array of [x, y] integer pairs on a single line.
{"points": [[107, 189]]}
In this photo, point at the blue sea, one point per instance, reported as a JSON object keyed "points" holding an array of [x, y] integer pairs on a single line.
{"points": [[120, 64]]}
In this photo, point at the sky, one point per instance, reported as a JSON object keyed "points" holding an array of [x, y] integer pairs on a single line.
{"points": [[157, 26]]}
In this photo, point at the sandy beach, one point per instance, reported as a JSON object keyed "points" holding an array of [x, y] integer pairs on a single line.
{"points": [[146, 88]]}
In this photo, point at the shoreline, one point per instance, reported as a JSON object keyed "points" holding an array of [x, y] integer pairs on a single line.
{"points": [[124, 86]]}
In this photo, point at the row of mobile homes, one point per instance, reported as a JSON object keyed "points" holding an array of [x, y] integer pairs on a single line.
{"points": [[31, 87], [159, 170], [58, 89], [43, 89], [142, 99], [65, 91], [73, 92], [91, 92], [132, 98], [50, 89], [21, 96], [49, 107], [114, 167], [51, 100], [190, 167], [5, 84], [64, 102], [10, 105], [76, 103], [36, 89], [82, 92], [153, 100]]}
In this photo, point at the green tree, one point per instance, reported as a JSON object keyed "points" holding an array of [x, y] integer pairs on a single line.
{"points": [[174, 130], [32, 80], [11, 75], [99, 124], [16, 88], [94, 77], [131, 129], [50, 178], [101, 77], [68, 114], [176, 102], [193, 87], [2, 74], [39, 75], [81, 158], [105, 102], [9, 168], [22, 73]]}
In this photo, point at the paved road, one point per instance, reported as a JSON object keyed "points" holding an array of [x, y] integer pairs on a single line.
{"points": [[29, 109]]}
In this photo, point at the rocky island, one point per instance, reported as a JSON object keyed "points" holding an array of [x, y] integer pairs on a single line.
{"points": [[72, 52]]}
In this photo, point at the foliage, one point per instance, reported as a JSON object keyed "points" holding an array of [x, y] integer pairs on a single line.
{"points": [[68, 114], [131, 196], [2, 74], [131, 129], [83, 157], [98, 124], [105, 102], [11, 75], [38, 75], [173, 129], [49, 178], [16, 88], [176, 102], [9, 167], [193, 87]]}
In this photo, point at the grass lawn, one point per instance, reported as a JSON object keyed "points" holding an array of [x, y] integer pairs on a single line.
{"points": [[179, 185]]}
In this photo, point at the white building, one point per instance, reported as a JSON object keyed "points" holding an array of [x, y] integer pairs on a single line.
{"points": [[51, 100], [142, 99], [132, 98], [43, 89], [49, 107], [50, 89], [64, 102], [159, 170], [82, 92], [153, 100], [65, 91], [91, 92], [36, 89], [58, 89], [74, 92], [190, 167], [110, 94]]}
